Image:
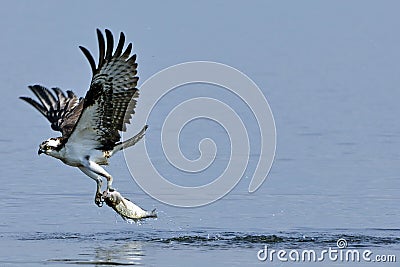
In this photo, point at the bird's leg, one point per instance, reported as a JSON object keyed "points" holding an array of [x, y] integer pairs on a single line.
{"points": [[96, 168], [98, 197]]}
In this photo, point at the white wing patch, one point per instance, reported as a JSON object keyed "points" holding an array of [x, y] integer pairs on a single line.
{"points": [[110, 101]]}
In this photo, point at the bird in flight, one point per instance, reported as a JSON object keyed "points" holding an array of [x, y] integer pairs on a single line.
{"points": [[91, 126]]}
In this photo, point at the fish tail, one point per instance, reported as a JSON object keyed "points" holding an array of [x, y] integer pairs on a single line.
{"points": [[152, 214]]}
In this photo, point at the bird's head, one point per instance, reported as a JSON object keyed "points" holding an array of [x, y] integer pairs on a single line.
{"points": [[50, 147]]}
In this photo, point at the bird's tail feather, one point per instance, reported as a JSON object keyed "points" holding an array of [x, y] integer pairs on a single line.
{"points": [[130, 141]]}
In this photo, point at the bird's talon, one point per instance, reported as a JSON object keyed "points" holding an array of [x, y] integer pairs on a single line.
{"points": [[99, 200], [105, 193]]}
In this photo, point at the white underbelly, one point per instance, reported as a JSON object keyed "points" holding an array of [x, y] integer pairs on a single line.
{"points": [[78, 157], [100, 157]]}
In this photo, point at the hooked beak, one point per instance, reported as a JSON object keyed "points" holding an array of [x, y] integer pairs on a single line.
{"points": [[40, 151]]}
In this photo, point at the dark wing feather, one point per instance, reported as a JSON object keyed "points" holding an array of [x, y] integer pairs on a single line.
{"points": [[111, 99], [89, 58], [61, 111]]}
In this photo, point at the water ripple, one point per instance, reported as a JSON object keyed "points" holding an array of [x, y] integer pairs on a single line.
{"points": [[224, 239]]}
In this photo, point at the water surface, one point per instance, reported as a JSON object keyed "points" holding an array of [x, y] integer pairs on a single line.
{"points": [[330, 74]]}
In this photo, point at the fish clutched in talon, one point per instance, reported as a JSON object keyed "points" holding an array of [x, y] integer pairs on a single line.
{"points": [[125, 208]]}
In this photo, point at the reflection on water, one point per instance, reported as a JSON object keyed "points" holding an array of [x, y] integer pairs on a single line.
{"points": [[133, 248], [129, 253]]}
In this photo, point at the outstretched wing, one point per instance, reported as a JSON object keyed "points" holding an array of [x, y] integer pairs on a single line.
{"points": [[61, 111], [111, 99]]}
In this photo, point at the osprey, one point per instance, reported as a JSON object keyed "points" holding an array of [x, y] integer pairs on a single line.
{"points": [[91, 126]]}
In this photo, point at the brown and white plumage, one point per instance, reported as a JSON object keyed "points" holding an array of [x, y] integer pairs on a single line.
{"points": [[111, 98], [61, 111], [91, 126]]}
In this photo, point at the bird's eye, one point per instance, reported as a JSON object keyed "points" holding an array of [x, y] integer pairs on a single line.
{"points": [[47, 147]]}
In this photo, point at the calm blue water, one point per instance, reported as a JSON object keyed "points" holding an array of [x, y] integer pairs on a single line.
{"points": [[330, 74]]}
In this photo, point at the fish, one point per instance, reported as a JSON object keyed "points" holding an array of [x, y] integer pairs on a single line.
{"points": [[125, 208]]}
